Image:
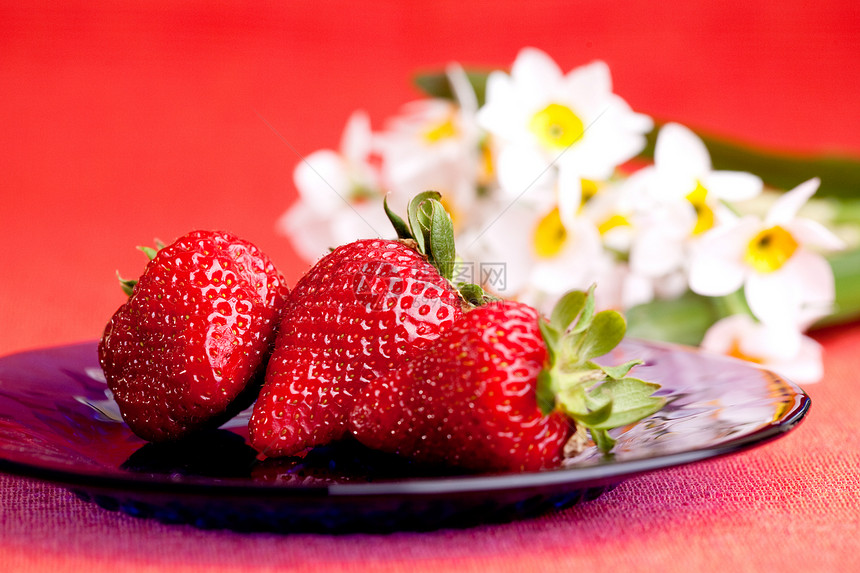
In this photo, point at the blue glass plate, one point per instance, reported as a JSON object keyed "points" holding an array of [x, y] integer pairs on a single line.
{"points": [[59, 423]]}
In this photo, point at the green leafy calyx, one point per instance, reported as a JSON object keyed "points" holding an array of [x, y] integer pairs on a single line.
{"points": [[127, 285], [429, 225], [598, 397]]}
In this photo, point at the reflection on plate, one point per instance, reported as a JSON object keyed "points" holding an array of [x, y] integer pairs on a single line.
{"points": [[59, 423]]}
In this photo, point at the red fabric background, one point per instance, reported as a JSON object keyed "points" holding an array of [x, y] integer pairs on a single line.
{"points": [[119, 124]]}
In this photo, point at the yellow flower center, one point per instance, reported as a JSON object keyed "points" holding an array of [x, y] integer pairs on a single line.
{"points": [[770, 249], [550, 235], [704, 214], [613, 222], [444, 129], [487, 169], [556, 126], [360, 194], [589, 190], [736, 352]]}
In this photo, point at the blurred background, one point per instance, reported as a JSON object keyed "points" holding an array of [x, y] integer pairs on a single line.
{"points": [[123, 123]]}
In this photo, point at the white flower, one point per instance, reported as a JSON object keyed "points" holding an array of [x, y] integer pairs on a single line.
{"points": [[682, 175], [545, 252], [339, 196], [773, 346], [548, 124], [784, 280], [436, 144]]}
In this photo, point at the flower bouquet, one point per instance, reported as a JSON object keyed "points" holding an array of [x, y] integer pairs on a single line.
{"points": [[554, 183]]}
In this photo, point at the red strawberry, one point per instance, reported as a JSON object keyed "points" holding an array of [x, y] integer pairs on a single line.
{"points": [[469, 401], [501, 389], [189, 347], [361, 311]]}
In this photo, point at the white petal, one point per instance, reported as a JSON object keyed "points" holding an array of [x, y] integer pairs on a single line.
{"points": [[499, 115], [726, 332], [771, 342], [355, 143], [773, 297], [636, 289], [733, 185], [569, 190], [715, 276], [588, 85], [322, 180], [365, 221], [814, 234], [806, 367], [814, 277], [496, 245], [680, 154], [309, 233], [638, 122], [786, 207], [535, 74], [716, 264], [654, 254], [523, 173], [671, 285]]}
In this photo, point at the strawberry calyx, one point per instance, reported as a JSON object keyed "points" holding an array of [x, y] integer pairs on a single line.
{"points": [[127, 285], [429, 230], [597, 397]]}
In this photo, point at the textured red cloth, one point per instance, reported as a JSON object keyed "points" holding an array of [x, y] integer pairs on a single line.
{"points": [[120, 124]]}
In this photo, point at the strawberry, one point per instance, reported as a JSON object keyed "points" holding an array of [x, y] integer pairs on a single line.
{"points": [[188, 348], [364, 309], [503, 390]]}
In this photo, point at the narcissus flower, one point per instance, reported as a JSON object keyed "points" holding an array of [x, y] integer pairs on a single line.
{"points": [[777, 347], [545, 252], [683, 175], [784, 278], [437, 144], [547, 123]]}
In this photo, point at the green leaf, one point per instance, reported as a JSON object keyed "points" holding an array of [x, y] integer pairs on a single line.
{"points": [[127, 285], [616, 372], [602, 439], [587, 313], [399, 224], [439, 237], [605, 332], [545, 393], [585, 410], [846, 275], [632, 400], [148, 251], [437, 85], [551, 337], [472, 293], [413, 214], [682, 320], [567, 309]]}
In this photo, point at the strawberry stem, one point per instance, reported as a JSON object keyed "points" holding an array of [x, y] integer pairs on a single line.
{"points": [[429, 225], [127, 285]]}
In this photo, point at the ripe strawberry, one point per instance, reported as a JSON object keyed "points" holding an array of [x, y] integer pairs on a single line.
{"points": [[188, 349], [469, 401], [501, 390], [364, 309], [361, 311]]}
